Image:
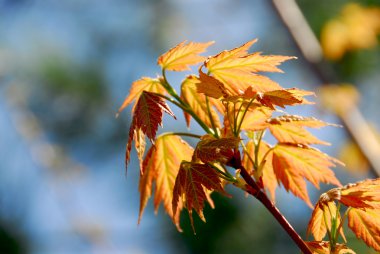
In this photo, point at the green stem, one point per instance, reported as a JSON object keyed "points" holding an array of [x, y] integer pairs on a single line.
{"points": [[183, 105], [245, 112], [211, 118], [183, 134]]}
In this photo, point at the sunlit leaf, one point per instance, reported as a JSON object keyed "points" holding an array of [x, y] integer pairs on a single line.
{"points": [[161, 166], [320, 220], [221, 150], [323, 247], [146, 117], [190, 183], [183, 55], [137, 87], [364, 194], [366, 226], [293, 163], [198, 104]]}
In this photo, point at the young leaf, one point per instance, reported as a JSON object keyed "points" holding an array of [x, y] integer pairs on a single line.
{"points": [[323, 247], [288, 132], [292, 163], [221, 150], [191, 180], [140, 145], [366, 226], [198, 103], [320, 220], [281, 98], [210, 86], [181, 56], [143, 84], [161, 166], [146, 117], [364, 194], [237, 70]]}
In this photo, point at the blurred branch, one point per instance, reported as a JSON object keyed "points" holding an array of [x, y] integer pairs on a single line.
{"points": [[308, 45]]}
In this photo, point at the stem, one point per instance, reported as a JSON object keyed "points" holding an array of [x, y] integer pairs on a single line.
{"points": [[183, 134], [183, 105], [211, 118], [256, 192]]}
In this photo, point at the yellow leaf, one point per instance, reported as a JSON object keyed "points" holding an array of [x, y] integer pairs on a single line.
{"points": [[181, 56], [364, 194], [161, 166], [287, 132], [320, 220], [293, 163], [198, 104], [366, 226], [143, 84]]}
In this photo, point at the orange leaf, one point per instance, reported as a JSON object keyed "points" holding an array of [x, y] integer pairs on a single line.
{"points": [[287, 132], [366, 226], [323, 247], [191, 180], [364, 194], [210, 149], [161, 166], [292, 163], [317, 224], [146, 117], [210, 86], [181, 56], [301, 121], [143, 84], [140, 145], [237, 70], [281, 98], [198, 103]]}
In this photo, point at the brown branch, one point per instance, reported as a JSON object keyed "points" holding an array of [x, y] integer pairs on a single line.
{"points": [[254, 189], [309, 47]]}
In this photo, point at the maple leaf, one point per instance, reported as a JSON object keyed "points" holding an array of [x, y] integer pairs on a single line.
{"points": [[320, 220], [181, 56], [210, 149], [210, 86], [266, 169], [137, 87], [323, 247], [282, 98], [289, 129], [198, 103], [140, 144], [161, 166], [146, 118], [237, 69], [293, 163], [364, 194], [190, 184], [366, 225]]}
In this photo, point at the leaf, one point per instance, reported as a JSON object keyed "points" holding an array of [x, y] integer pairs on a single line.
{"points": [[198, 103], [143, 84], [282, 98], [140, 145], [286, 130], [366, 226], [221, 150], [161, 166], [146, 118], [323, 247], [237, 69], [266, 170], [364, 194], [190, 183], [293, 163], [181, 56], [301, 121], [210, 86], [317, 224]]}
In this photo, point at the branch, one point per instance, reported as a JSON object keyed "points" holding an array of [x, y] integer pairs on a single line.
{"points": [[256, 192], [308, 45]]}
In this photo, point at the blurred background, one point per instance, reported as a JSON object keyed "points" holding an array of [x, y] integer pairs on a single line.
{"points": [[65, 68]]}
